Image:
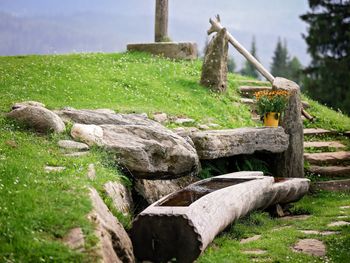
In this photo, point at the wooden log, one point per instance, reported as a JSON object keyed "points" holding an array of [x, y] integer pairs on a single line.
{"points": [[161, 20], [248, 91], [330, 171], [291, 163], [216, 27], [306, 114], [181, 225]]}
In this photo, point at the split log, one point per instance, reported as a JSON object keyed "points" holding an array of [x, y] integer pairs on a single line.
{"points": [[181, 225], [306, 114]]}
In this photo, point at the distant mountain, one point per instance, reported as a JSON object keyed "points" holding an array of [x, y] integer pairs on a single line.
{"points": [[98, 31]]}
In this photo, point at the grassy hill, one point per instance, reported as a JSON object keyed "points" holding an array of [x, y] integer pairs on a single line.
{"points": [[37, 208]]}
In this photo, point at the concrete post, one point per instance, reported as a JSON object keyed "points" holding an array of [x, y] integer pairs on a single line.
{"points": [[161, 20]]}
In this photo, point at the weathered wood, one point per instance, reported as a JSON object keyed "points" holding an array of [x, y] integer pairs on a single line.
{"points": [[330, 171], [216, 27], [161, 20], [335, 185], [327, 157], [306, 115], [181, 225], [214, 69], [290, 163]]}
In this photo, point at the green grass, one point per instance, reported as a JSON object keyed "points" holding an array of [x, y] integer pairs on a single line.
{"points": [[37, 209], [279, 235]]}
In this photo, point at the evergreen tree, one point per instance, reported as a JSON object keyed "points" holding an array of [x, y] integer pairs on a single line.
{"points": [[280, 60], [231, 64], [295, 70], [328, 39], [249, 69]]}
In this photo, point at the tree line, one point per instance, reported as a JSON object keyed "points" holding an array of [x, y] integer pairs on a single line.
{"points": [[327, 78]]}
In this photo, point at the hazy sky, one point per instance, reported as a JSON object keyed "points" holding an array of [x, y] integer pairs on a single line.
{"points": [[133, 20]]}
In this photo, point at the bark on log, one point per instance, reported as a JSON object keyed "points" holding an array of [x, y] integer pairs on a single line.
{"points": [[161, 21], [307, 115], [181, 225], [291, 162]]}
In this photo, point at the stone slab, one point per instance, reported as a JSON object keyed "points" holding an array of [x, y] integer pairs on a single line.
{"points": [[327, 157], [173, 50], [250, 239], [339, 223], [215, 144], [334, 185], [331, 171], [332, 144], [311, 247], [316, 131]]}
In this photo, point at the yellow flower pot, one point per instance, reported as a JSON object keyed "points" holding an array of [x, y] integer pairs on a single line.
{"points": [[271, 119]]}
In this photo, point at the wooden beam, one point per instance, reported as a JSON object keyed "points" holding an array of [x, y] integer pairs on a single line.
{"points": [[161, 20]]}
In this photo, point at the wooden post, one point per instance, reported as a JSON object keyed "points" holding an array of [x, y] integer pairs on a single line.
{"points": [[161, 20], [216, 27]]}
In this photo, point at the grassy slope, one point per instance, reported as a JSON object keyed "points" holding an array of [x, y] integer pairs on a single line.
{"points": [[32, 202]]}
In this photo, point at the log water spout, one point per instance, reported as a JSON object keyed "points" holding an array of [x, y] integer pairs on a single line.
{"points": [[181, 225]]}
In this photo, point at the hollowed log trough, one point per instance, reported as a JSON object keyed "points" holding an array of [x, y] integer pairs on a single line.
{"points": [[181, 225]]}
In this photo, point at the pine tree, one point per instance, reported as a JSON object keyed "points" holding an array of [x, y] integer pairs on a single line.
{"points": [[231, 64], [280, 60], [249, 69], [295, 70], [328, 75]]}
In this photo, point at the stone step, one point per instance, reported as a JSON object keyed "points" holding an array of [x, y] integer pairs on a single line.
{"points": [[331, 171], [333, 144], [334, 185], [248, 91], [316, 131], [327, 157]]}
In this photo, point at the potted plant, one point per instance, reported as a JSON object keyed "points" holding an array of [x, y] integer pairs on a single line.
{"points": [[270, 105]]}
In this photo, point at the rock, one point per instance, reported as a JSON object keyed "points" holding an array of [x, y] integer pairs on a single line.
{"points": [[290, 163], [214, 69], [322, 233], [68, 144], [247, 101], [345, 207], [98, 118], [333, 185], [150, 153], [160, 117], [173, 50], [250, 239], [76, 154], [203, 127], [91, 173], [54, 169], [323, 144], [184, 121], [114, 243], [342, 217], [90, 134], [254, 252], [339, 223], [296, 217], [311, 247], [153, 190], [38, 118], [75, 239], [213, 125], [185, 131], [107, 111], [224, 143], [327, 157], [27, 103], [120, 195], [330, 171], [316, 131]]}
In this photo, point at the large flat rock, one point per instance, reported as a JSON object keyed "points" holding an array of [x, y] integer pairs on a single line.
{"points": [[174, 50], [316, 131], [225, 143], [327, 157]]}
